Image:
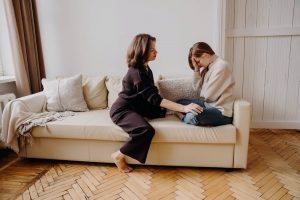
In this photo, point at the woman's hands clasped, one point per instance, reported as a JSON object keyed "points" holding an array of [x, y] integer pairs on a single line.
{"points": [[193, 108]]}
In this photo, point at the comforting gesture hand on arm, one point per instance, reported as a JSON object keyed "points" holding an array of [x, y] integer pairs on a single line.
{"points": [[192, 107]]}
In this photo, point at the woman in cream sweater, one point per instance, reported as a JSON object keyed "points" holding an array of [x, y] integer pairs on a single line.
{"points": [[214, 82]]}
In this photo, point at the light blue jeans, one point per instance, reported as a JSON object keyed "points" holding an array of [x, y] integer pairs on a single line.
{"points": [[209, 117]]}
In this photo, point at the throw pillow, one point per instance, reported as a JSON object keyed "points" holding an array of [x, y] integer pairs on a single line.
{"points": [[114, 87], [174, 89], [95, 92], [65, 94]]}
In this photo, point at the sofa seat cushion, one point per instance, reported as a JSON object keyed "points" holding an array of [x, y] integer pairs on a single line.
{"points": [[97, 125]]}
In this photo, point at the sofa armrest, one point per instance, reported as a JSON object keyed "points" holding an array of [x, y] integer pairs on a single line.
{"points": [[241, 120], [35, 102], [15, 112]]}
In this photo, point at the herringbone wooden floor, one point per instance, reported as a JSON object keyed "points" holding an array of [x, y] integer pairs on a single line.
{"points": [[273, 173]]}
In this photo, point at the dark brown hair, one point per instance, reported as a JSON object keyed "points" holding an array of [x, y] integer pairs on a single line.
{"points": [[138, 50], [197, 50]]}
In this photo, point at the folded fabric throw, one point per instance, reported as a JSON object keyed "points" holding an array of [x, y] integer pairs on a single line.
{"points": [[18, 121], [40, 119]]}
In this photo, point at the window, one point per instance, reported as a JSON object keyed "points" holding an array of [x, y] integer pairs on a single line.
{"points": [[6, 53]]}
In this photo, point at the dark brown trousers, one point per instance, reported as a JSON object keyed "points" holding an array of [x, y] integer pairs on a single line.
{"points": [[131, 120]]}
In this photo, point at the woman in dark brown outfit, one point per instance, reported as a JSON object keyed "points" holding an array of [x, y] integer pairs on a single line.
{"points": [[138, 99]]}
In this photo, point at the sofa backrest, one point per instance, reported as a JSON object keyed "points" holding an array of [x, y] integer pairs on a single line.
{"points": [[171, 88], [100, 92]]}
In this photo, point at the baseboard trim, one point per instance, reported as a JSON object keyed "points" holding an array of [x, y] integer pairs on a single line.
{"points": [[275, 124]]}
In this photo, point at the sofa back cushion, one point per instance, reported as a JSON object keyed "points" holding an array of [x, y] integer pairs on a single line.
{"points": [[174, 89], [114, 86], [95, 92], [65, 94]]}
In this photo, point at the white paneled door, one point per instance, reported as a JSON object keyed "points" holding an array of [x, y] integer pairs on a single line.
{"points": [[262, 42]]}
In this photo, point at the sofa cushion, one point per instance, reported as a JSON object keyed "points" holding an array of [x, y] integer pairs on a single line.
{"points": [[65, 94], [97, 125], [95, 92], [174, 89], [114, 86]]}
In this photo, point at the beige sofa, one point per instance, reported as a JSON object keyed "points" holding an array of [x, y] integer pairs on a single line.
{"points": [[91, 136]]}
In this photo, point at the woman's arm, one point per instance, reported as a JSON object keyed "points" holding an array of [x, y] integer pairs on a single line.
{"points": [[219, 81], [193, 108]]}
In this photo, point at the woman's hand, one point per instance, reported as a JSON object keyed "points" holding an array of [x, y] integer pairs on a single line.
{"points": [[195, 64], [193, 108]]}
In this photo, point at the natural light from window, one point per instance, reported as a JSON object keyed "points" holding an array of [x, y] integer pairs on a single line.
{"points": [[6, 56]]}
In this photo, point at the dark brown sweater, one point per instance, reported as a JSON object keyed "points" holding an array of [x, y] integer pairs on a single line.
{"points": [[139, 94]]}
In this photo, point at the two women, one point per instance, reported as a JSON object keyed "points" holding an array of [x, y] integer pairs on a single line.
{"points": [[138, 99]]}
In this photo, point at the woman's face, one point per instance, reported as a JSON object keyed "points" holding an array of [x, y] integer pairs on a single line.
{"points": [[152, 51], [202, 61]]}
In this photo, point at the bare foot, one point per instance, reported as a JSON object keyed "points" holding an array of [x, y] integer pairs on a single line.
{"points": [[119, 160], [179, 115]]}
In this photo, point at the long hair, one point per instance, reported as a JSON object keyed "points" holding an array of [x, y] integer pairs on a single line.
{"points": [[197, 50], [137, 53]]}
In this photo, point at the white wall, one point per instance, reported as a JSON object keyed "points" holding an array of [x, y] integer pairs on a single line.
{"points": [[263, 45], [92, 36]]}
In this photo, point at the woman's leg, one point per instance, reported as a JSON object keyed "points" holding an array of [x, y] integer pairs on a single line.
{"points": [[140, 132], [189, 118], [211, 117]]}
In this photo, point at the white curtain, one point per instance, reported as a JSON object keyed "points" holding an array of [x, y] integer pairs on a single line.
{"points": [[10, 48]]}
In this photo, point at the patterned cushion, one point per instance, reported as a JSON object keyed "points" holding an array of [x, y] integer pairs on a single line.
{"points": [[174, 89]]}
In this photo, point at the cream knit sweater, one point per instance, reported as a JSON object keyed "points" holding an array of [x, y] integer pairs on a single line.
{"points": [[217, 89]]}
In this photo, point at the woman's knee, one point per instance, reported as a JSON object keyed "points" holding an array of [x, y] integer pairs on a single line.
{"points": [[148, 131]]}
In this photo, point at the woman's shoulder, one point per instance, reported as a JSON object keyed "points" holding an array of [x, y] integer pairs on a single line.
{"points": [[222, 64], [132, 71], [134, 74]]}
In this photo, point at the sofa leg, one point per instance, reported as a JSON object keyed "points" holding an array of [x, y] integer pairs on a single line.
{"points": [[229, 169]]}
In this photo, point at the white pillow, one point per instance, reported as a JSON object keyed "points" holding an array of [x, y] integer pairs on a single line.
{"points": [[65, 94], [114, 87], [174, 89], [95, 92]]}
